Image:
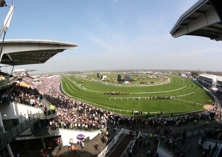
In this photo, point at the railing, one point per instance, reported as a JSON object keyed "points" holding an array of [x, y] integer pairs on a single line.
{"points": [[8, 136], [212, 134], [166, 147], [131, 144], [156, 98], [115, 140], [120, 111], [45, 131], [200, 129], [176, 115], [47, 115], [111, 144], [181, 145], [4, 83]]}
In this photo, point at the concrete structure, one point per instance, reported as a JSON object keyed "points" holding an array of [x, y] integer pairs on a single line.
{"points": [[24, 51], [21, 52], [22, 72], [202, 19], [219, 84], [208, 80], [17, 119]]}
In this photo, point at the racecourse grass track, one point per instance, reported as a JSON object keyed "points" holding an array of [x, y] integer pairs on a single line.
{"points": [[177, 96]]}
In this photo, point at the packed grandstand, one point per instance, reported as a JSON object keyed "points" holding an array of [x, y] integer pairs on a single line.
{"points": [[71, 114], [37, 118]]}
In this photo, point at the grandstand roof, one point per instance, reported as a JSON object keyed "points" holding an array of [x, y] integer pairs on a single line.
{"points": [[2, 3], [203, 19], [219, 79], [29, 51], [23, 70], [211, 76]]}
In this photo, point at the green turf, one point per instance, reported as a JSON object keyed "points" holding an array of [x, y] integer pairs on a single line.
{"points": [[187, 94]]}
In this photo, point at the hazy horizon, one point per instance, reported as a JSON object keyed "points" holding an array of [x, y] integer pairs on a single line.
{"points": [[112, 34]]}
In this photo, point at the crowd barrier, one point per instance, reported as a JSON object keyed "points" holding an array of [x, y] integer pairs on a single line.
{"points": [[116, 139], [111, 144], [120, 111], [80, 86], [200, 129], [154, 98]]}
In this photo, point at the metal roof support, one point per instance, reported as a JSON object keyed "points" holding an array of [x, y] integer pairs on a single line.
{"points": [[217, 5], [5, 27], [2, 46], [12, 69], [204, 20]]}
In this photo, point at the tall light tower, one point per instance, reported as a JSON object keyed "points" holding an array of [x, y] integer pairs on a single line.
{"points": [[6, 23], [4, 29]]}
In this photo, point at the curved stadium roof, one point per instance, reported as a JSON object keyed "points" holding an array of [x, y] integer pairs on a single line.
{"points": [[29, 51], [203, 19]]}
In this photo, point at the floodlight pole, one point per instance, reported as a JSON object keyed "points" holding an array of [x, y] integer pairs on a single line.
{"points": [[3, 39], [5, 27], [12, 69]]}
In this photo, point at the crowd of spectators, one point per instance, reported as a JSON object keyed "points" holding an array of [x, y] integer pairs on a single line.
{"points": [[50, 86], [28, 80], [3, 79], [20, 94], [73, 114], [26, 95]]}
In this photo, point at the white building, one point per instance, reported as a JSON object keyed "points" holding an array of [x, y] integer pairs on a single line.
{"points": [[209, 80], [219, 84]]}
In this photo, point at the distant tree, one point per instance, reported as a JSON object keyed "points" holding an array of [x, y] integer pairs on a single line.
{"points": [[180, 73], [195, 73]]}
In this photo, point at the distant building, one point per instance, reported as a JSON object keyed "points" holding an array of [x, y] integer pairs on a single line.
{"points": [[219, 84], [119, 78], [104, 78], [209, 80], [127, 77], [184, 75]]}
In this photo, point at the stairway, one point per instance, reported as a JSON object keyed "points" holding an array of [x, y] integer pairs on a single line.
{"points": [[9, 136]]}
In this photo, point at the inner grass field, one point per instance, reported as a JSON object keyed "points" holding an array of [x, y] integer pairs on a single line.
{"points": [[179, 95]]}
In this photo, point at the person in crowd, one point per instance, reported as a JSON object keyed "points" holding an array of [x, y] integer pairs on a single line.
{"points": [[74, 149]]}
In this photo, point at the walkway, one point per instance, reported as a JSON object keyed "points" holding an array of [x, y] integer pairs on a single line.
{"points": [[119, 149]]}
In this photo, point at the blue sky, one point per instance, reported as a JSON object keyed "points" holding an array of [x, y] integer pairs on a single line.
{"points": [[112, 34]]}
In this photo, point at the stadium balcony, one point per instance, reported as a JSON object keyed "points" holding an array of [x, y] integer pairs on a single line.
{"points": [[18, 116], [4, 82], [214, 134], [11, 132]]}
